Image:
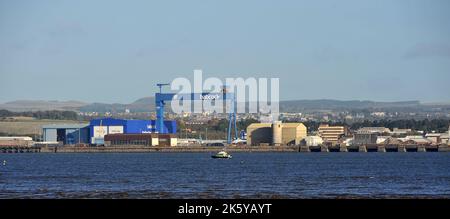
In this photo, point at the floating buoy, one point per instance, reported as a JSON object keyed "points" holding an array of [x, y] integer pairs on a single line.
{"points": [[4, 162]]}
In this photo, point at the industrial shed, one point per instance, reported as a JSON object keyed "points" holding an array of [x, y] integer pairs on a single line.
{"points": [[259, 133], [66, 133], [276, 133], [141, 139], [9, 141], [101, 127], [293, 133]]}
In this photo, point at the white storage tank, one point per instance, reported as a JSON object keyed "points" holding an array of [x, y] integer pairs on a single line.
{"points": [[313, 141], [277, 134]]}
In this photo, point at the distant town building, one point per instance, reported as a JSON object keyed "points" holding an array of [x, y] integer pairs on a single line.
{"points": [[379, 130], [365, 137], [378, 114], [349, 117], [381, 139], [16, 141], [435, 138], [438, 138], [446, 138], [331, 134], [346, 141], [391, 141], [397, 131], [313, 140], [415, 139]]}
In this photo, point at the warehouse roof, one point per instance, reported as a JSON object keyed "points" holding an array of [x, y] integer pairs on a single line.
{"points": [[256, 125], [293, 125], [65, 126]]}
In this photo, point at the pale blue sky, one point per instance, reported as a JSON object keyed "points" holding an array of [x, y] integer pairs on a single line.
{"points": [[116, 51]]}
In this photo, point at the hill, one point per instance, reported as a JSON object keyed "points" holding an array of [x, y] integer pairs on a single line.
{"points": [[325, 104], [42, 105], [147, 104]]}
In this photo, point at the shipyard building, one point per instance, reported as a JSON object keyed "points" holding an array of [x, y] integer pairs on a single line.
{"points": [[101, 127], [151, 139], [12, 141], [66, 133], [95, 131], [276, 133]]}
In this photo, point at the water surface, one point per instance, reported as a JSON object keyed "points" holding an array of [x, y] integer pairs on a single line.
{"points": [[247, 175]]}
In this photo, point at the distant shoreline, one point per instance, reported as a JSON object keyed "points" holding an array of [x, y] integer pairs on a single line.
{"points": [[150, 149], [214, 149]]}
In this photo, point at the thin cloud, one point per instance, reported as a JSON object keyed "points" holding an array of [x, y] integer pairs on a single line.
{"points": [[426, 50]]}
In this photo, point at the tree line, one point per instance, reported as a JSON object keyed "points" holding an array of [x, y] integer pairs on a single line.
{"points": [[426, 125], [51, 114]]}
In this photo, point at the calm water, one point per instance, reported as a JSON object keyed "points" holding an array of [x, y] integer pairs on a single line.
{"points": [[247, 175]]}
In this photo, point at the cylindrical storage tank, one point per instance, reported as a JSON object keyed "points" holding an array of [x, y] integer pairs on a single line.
{"points": [[277, 133]]}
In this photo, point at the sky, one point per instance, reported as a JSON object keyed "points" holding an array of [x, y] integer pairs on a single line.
{"points": [[116, 51]]}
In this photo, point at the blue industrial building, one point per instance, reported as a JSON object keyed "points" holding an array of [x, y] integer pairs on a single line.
{"points": [[100, 127], [134, 126], [66, 133], [94, 132]]}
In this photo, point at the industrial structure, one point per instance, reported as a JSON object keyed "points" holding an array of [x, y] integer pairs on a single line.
{"points": [[16, 141], [97, 129], [120, 131], [313, 141], [275, 133], [331, 134], [363, 137], [66, 133], [259, 133], [141, 139], [379, 130], [161, 98]]}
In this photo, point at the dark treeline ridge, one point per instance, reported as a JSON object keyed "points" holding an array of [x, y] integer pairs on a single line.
{"points": [[219, 125], [213, 129], [51, 114], [216, 128]]}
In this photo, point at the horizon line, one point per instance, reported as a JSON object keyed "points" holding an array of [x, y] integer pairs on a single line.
{"points": [[285, 100]]}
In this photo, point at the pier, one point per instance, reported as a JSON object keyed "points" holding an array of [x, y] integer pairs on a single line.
{"points": [[242, 148], [19, 149], [378, 148]]}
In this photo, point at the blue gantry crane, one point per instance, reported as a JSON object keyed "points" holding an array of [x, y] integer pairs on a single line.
{"points": [[161, 98]]}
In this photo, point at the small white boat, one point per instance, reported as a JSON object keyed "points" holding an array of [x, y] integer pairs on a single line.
{"points": [[222, 154]]}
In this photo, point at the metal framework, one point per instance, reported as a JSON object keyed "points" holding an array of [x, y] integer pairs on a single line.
{"points": [[161, 98]]}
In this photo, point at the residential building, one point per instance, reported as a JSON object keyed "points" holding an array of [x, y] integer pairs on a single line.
{"points": [[331, 134]]}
